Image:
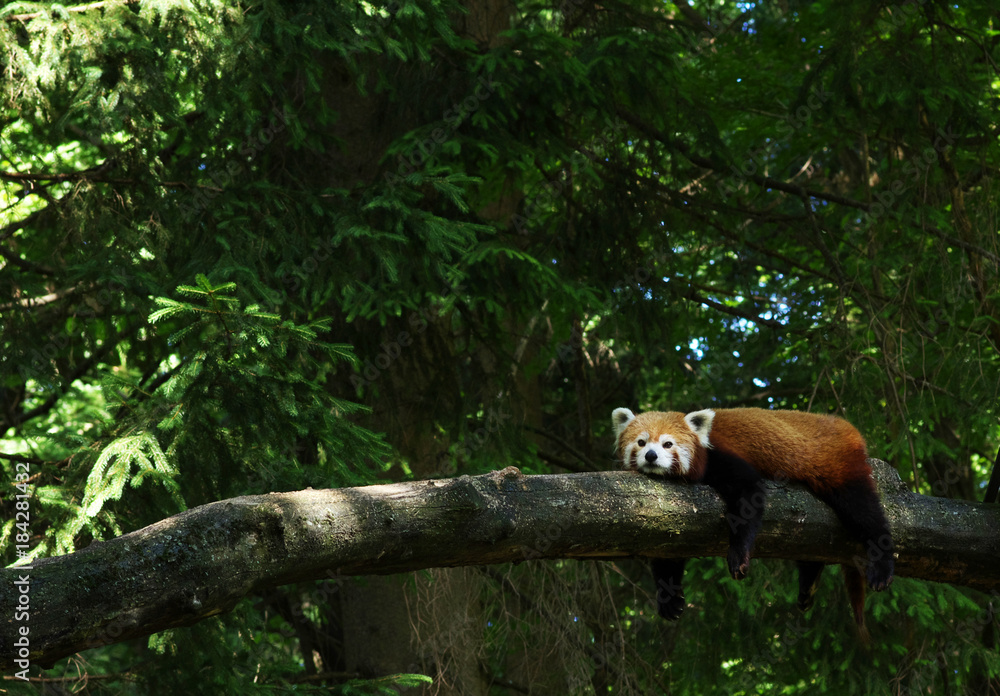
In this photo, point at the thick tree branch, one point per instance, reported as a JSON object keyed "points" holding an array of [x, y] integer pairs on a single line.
{"points": [[203, 561]]}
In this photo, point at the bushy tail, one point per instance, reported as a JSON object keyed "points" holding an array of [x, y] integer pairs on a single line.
{"points": [[855, 583]]}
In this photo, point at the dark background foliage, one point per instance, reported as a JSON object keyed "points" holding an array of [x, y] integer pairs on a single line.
{"points": [[267, 245]]}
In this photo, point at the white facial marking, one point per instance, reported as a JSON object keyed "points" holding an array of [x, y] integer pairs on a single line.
{"points": [[663, 456]]}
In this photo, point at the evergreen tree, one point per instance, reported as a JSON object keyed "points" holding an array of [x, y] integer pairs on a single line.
{"points": [[248, 247]]}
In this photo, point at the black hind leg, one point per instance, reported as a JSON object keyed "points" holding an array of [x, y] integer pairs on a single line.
{"points": [[858, 507], [739, 486], [809, 572], [667, 576]]}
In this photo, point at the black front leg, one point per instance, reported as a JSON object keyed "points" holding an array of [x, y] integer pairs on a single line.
{"points": [[809, 572], [667, 576], [739, 486]]}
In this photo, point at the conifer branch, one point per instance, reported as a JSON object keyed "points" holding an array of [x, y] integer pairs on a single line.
{"points": [[101, 4]]}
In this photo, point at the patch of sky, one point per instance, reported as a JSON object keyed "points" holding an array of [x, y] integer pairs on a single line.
{"points": [[744, 7]]}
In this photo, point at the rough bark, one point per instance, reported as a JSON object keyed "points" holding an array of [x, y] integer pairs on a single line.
{"points": [[203, 561]]}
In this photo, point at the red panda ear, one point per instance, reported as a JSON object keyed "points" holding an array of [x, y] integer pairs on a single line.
{"points": [[620, 418], [700, 423]]}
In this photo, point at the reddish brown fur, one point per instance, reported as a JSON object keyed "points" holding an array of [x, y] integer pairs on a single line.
{"points": [[856, 594], [823, 451]]}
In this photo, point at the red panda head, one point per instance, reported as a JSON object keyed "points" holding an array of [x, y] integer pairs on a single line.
{"points": [[665, 443]]}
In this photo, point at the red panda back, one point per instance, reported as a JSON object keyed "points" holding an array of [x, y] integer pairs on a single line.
{"points": [[822, 450]]}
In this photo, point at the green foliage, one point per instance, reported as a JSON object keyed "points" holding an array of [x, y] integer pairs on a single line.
{"points": [[388, 685], [112, 470], [256, 381], [263, 246]]}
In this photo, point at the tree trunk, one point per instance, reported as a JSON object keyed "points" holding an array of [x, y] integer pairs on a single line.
{"points": [[376, 620]]}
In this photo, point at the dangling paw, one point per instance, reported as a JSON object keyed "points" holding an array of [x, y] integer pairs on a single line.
{"points": [[880, 572], [670, 605], [739, 563]]}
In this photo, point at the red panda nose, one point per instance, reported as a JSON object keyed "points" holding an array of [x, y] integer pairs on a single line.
{"points": [[651, 456]]}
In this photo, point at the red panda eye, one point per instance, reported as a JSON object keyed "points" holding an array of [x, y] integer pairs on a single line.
{"points": [[641, 442], [668, 444]]}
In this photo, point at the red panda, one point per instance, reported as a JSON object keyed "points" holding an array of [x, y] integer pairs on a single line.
{"points": [[732, 450]]}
